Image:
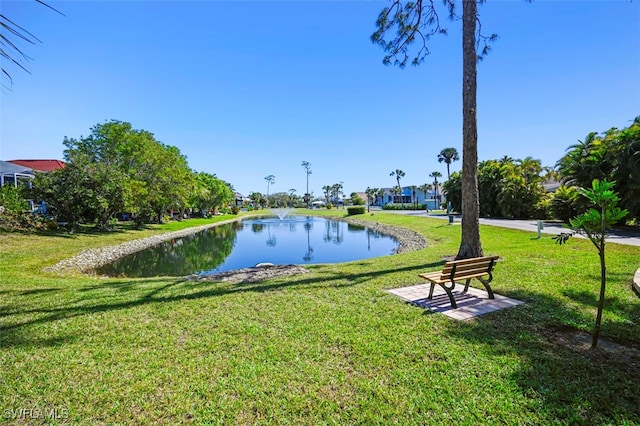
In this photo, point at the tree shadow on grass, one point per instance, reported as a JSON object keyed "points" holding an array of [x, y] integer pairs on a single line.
{"points": [[30, 292], [120, 295], [573, 383], [26, 341]]}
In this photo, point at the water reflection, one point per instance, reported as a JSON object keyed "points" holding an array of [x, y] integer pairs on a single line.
{"points": [[308, 255], [293, 240]]}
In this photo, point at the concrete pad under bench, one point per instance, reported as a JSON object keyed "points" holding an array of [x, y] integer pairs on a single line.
{"points": [[473, 303]]}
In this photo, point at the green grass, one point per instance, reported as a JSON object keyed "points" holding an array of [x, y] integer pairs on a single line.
{"points": [[328, 347]]}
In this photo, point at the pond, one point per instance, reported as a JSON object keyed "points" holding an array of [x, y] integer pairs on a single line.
{"points": [[242, 244]]}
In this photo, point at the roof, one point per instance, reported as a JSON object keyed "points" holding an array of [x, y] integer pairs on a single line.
{"points": [[40, 165], [551, 185], [7, 168]]}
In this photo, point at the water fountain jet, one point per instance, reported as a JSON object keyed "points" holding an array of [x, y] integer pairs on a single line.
{"points": [[281, 213]]}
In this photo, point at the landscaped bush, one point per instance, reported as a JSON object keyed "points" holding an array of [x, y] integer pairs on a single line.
{"points": [[395, 206], [353, 210]]}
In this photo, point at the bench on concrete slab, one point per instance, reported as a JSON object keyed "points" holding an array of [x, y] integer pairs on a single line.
{"points": [[462, 270]]}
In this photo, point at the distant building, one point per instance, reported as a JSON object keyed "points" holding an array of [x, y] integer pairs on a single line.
{"points": [[407, 197], [239, 199], [362, 195], [551, 185], [14, 170]]}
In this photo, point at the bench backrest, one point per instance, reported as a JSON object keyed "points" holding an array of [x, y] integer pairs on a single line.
{"points": [[466, 267]]}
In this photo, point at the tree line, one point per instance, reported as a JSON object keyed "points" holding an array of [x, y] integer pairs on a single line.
{"points": [[514, 188], [118, 170]]}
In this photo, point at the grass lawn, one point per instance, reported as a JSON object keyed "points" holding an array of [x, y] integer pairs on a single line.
{"points": [[328, 347]]}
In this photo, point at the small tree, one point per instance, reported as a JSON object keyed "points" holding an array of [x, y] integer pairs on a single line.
{"points": [[594, 223], [371, 194], [12, 206]]}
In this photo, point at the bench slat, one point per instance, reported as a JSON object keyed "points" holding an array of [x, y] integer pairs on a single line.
{"points": [[469, 270], [468, 267], [461, 264], [473, 260], [438, 279]]}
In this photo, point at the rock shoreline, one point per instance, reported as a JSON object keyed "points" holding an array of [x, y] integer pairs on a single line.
{"points": [[89, 260]]}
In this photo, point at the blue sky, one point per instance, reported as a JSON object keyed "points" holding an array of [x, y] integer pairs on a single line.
{"points": [[247, 89]]}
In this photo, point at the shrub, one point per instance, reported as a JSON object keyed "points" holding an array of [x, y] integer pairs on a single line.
{"points": [[542, 209], [235, 209], [353, 210], [564, 204], [391, 206], [357, 200], [15, 214]]}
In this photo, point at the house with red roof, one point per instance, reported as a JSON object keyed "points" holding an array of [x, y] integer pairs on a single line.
{"points": [[40, 165]]}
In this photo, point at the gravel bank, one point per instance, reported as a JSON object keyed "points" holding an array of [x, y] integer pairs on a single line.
{"points": [[88, 260]]}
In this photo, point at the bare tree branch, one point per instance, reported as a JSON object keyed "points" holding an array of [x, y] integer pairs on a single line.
{"points": [[415, 23]]}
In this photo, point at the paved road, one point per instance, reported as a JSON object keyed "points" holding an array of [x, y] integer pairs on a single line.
{"points": [[619, 237]]}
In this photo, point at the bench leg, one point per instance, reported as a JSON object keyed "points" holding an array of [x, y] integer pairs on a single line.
{"points": [[447, 290], [487, 286], [466, 285]]}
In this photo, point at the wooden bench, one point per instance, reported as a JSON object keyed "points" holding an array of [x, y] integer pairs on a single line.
{"points": [[459, 270]]}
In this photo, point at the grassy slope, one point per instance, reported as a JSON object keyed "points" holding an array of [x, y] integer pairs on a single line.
{"points": [[326, 347]]}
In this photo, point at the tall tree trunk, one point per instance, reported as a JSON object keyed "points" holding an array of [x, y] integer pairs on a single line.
{"points": [[470, 245]]}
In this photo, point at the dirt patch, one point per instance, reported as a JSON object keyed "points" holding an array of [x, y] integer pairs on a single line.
{"points": [[252, 275], [624, 354]]}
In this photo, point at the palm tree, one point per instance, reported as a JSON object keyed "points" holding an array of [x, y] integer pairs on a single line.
{"points": [[271, 179], [448, 155], [435, 176], [531, 169], [413, 195], [380, 194], [395, 191], [327, 192], [307, 168], [336, 190], [427, 187], [398, 174], [371, 193]]}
